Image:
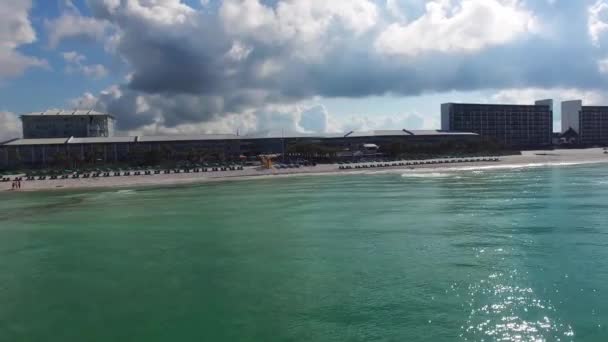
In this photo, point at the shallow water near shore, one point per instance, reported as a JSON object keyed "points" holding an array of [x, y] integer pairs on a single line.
{"points": [[517, 255]]}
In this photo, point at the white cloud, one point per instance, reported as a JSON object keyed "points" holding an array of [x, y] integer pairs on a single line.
{"points": [[73, 25], [238, 52], [529, 95], [76, 64], [73, 57], [158, 12], [95, 71], [602, 66], [166, 12], [15, 26], [395, 9], [86, 101], [192, 66], [10, 126], [597, 23], [367, 122], [304, 25], [16, 30], [465, 26], [152, 112]]}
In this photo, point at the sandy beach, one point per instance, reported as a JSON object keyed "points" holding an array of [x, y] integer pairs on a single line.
{"points": [[526, 159]]}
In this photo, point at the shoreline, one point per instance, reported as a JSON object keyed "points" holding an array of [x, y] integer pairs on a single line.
{"points": [[528, 159]]}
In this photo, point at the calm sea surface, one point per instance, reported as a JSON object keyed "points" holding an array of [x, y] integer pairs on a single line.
{"points": [[519, 255]]}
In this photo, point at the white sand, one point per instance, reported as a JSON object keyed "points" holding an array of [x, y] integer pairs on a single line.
{"points": [[527, 159]]}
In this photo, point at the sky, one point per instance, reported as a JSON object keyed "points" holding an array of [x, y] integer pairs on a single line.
{"points": [[222, 66]]}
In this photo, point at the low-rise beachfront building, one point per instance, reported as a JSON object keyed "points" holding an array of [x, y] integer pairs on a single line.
{"points": [[64, 151], [151, 150], [588, 123], [65, 124], [515, 126], [187, 147]]}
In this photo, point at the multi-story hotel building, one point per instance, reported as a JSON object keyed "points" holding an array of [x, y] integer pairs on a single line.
{"points": [[520, 126], [65, 124], [590, 123]]}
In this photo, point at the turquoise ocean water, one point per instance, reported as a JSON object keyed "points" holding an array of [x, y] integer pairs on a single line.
{"points": [[518, 255]]}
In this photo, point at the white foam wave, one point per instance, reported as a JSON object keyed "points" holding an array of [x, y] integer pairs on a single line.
{"points": [[426, 175], [109, 195], [516, 166], [481, 169]]}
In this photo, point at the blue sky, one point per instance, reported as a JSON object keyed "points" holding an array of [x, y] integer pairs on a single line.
{"points": [[201, 66]]}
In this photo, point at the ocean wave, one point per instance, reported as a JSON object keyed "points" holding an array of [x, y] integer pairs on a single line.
{"points": [[517, 166], [427, 175], [125, 192]]}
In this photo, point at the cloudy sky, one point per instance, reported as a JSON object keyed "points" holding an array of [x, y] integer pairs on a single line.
{"points": [[205, 66]]}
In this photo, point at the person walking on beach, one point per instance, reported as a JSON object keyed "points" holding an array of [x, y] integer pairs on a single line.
{"points": [[13, 185], [19, 184]]}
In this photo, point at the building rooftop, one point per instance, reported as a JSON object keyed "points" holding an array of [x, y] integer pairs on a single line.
{"points": [[595, 108], [439, 132], [280, 135], [164, 138], [208, 137], [499, 104], [101, 140], [26, 142], [78, 112], [404, 132]]}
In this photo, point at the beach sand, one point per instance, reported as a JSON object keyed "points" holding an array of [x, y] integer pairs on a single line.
{"points": [[526, 159]]}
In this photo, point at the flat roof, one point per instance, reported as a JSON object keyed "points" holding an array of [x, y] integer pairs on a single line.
{"points": [[594, 107], [101, 140], [163, 138], [61, 112], [405, 132], [497, 104], [25, 142], [217, 137], [440, 132], [291, 135], [377, 133]]}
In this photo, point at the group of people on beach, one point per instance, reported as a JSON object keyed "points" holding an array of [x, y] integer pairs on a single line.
{"points": [[16, 185]]}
